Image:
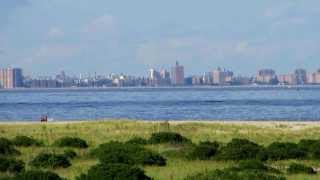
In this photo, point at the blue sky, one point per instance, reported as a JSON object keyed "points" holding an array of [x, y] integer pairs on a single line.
{"points": [[104, 36]]}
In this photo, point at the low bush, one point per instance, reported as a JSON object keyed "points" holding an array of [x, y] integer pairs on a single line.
{"points": [[7, 148], [69, 153], [307, 144], [71, 142], [204, 151], [282, 151], [25, 141], [37, 175], [114, 171], [116, 152], [240, 149], [314, 150], [295, 168], [168, 137], [254, 165], [50, 161], [228, 174], [11, 165], [138, 141]]}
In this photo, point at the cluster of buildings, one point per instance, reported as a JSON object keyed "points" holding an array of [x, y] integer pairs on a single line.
{"points": [[13, 78], [298, 77]]}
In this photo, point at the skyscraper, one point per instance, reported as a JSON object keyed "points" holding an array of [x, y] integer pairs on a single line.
{"points": [[300, 76], [266, 76], [177, 74], [11, 78]]}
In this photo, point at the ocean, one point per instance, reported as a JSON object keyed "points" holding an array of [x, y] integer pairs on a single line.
{"points": [[189, 103]]}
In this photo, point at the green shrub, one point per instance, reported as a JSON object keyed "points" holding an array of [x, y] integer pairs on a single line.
{"points": [[282, 151], [69, 153], [312, 147], [7, 148], [116, 152], [228, 174], [254, 165], [25, 141], [37, 175], [307, 144], [239, 149], [167, 137], [114, 171], [11, 165], [138, 141], [204, 151], [295, 168], [71, 142], [50, 161]]}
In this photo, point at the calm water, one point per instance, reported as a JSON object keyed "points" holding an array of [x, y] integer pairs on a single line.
{"points": [[163, 104]]}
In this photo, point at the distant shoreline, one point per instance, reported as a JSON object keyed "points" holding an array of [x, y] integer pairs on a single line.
{"points": [[231, 87], [224, 122]]}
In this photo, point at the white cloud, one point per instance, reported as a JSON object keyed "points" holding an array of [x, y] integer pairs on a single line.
{"points": [[190, 49], [102, 24], [55, 32], [52, 53]]}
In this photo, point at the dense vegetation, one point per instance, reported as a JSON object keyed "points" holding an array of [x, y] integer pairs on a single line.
{"points": [[114, 171], [48, 160], [134, 158], [25, 141], [71, 142], [7, 148]]}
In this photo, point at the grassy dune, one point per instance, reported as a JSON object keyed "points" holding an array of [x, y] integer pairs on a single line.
{"points": [[100, 132]]}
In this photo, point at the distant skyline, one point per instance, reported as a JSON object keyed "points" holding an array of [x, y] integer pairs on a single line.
{"points": [[44, 37]]}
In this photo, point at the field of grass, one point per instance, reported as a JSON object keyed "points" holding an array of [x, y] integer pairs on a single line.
{"points": [[96, 133]]}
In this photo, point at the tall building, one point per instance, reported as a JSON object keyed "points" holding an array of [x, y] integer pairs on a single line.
{"points": [[314, 78], [222, 76], [164, 77], [153, 77], [266, 76], [287, 79], [177, 74], [11, 78], [300, 76]]}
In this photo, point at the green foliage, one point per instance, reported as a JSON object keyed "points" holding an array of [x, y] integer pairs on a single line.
{"points": [[116, 152], [228, 174], [204, 151], [239, 149], [295, 168], [282, 151], [11, 165], [25, 141], [168, 137], [71, 142], [7, 148], [255, 165], [50, 161], [69, 153], [307, 144], [138, 141], [37, 175], [114, 171]]}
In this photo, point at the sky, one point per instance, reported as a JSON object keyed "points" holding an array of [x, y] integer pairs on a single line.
{"points": [[45, 37]]}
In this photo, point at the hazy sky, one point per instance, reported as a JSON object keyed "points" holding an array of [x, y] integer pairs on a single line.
{"points": [[104, 36]]}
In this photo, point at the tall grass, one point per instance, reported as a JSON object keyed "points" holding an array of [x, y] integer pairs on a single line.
{"points": [[96, 133]]}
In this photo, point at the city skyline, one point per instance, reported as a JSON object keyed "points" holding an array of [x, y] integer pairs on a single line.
{"points": [[112, 36], [13, 78]]}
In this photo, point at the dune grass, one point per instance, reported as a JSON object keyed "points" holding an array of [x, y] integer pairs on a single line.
{"points": [[96, 133]]}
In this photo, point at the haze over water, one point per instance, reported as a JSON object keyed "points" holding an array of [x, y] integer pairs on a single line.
{"points": [[162, 104]]}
